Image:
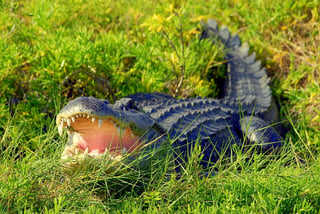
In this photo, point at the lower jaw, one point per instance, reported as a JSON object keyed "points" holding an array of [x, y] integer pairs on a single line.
{"points": [[79, 151], [73, 153], [74, 159], [80, 145]]}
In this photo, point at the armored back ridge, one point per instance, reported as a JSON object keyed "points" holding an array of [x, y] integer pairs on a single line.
{"points": [[246, 80], [216, 124]]}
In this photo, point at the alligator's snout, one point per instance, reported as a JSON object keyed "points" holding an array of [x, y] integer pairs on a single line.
{"points": [[95, 128]]}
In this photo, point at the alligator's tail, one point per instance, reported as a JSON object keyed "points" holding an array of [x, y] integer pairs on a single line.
{"points": [[246, 80]]}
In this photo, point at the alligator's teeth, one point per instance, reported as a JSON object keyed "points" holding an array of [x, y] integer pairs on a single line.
{"points": [[60, 129], [73, 119], [106, 151], [68, 122], [99, 123], [133, 135], [94, 153], [88, 116], [119, 131], [124, 150], [83, 115], [77, 115], [93, 119], [114, 124], [76, 151], [86, 151]]}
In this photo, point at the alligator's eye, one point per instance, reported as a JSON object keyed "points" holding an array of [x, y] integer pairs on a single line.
{"points": [[126, 104]]}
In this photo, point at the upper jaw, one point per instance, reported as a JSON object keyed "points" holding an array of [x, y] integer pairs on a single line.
{"points": [[66, 121], [94, 109], [87, 107]]}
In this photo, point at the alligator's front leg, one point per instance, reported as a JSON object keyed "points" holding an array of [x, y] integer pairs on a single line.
{"points": [[259, 132]]}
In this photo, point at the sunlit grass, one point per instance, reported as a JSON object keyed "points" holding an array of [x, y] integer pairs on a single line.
{"points": [[53, 51]]}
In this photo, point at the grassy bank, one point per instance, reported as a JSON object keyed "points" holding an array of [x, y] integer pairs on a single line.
{"points": [[54, 51]]}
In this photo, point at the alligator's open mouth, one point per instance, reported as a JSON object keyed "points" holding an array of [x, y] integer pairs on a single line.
{"points": [[93, 136]]}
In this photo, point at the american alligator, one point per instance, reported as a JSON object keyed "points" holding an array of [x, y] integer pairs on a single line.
{"points": [[242, 116]]}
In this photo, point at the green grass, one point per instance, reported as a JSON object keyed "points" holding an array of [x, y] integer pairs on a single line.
{"points": [[53, 51]]}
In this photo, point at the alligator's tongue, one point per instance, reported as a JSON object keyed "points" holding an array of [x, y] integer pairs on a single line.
{"points": [[101, 135]]}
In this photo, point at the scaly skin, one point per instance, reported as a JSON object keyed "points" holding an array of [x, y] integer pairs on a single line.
{"points": [[243, 114]]}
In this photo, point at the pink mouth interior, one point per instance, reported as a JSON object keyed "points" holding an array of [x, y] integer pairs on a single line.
{"points": [[106, 136]]}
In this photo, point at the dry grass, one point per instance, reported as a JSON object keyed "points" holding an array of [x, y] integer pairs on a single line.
{"points": [[296, 65]]}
